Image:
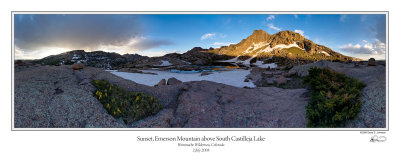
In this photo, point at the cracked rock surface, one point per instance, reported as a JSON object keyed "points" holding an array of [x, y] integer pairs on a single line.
{"points": [[57, 96]]}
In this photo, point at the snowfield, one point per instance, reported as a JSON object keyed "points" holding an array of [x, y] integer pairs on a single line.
{"points": [[234, 78], [247, 62], [261, 65], [164, 63], [324, 52]]}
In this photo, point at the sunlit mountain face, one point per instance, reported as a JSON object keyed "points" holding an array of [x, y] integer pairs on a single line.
{"points": [[40, 35]]}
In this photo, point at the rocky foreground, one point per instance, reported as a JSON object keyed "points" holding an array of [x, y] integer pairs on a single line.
{"points": [[57, 96]]}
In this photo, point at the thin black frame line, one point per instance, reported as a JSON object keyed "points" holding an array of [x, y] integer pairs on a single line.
{"points": [[105, 129], [130, 129]]}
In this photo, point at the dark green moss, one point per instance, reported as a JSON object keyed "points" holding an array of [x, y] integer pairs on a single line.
{"points": [[131, 106]]}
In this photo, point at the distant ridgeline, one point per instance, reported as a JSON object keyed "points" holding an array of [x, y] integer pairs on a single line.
{"points": [[99, 59]]}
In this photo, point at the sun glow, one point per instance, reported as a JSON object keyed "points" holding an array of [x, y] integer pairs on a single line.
{"points": [[40, 53]]}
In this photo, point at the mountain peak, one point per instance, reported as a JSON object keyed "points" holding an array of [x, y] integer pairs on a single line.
{"points": [[259, 32], [284, 44], [258, 36], [288, 35]]}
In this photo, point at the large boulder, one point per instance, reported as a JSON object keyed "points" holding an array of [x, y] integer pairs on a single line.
{"points": [[281, 80], [371, 62], [205, 73], [162, 82], [214, 105], [77, 66], [172, 81]]}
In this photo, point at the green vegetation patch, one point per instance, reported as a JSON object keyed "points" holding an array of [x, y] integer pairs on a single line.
{"points": [[335, 98], [296, 51], [131, 106]]}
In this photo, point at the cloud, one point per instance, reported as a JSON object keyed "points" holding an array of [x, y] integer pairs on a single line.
{"points": [[221, 44], [343, 18], [144, 43], [270, 17], [134, 44], [35, 33], [301, 32], [38, 53], [160, 53], [296, 16], [366, 50], [380, 28], [208, 36], [271, 26]]}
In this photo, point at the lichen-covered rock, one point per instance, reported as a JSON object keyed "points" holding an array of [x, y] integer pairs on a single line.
{"points": [[208, 104], [205, 73], [371, 62], [281, 80], [162, 82], [55, 97], [173, 81], [77, 66]]}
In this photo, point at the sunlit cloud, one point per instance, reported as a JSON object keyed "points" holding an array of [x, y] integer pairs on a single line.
{"points": [[208, 36], [48, 34], [366, 50], [301, 32], [218, 44], [38, 53], [271, 26]]}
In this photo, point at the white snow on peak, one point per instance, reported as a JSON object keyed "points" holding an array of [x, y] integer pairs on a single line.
{"points": [[284, 46], [279, 46], [256, 46], [234, 78], [324, 52], [261, 65]]}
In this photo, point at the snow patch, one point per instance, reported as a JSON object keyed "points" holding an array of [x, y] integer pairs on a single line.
{"points": [[75, 57], [234, 78], [324, 52], [256, 46], [284, 46], [164, 63], [235, 60], [247, 62], [261, 65], [280, 46]]}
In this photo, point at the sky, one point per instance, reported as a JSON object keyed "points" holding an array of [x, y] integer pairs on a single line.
{"points": [[39, 35]]}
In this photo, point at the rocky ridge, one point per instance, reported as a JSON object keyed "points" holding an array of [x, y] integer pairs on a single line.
{"points": [[281, 44]]}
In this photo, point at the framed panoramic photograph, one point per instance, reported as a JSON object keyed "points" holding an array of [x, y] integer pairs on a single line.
{"points": [[200, 71], [199, 80]]}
